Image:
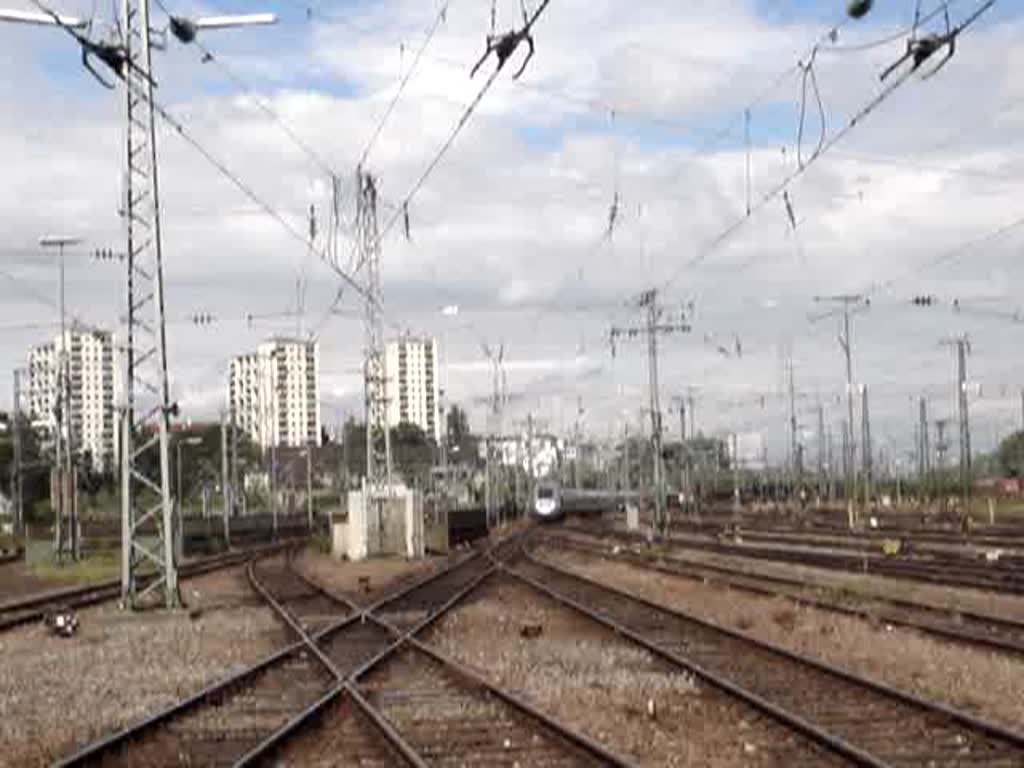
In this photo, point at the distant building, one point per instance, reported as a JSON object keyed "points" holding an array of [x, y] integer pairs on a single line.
{"points": [[91, 359], [412, 384], [274, 393]]}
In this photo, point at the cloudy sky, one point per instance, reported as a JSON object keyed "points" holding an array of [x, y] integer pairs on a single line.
{"points": [[643, 102]]}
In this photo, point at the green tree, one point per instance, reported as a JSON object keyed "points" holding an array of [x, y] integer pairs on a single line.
{"points": [[1011, 455]]}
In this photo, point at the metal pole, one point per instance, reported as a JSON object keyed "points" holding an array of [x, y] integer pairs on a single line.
{"points": [[16, 480], [224, 478], [851, 460], [821, 451], [866, 447], [234, 464], [965, 426], [309, 483], [793, 440], [651, 302], [272, 486], [737, 502], [487, 480], [625, 457], [177, 447], [923, 459], [67, 479]]}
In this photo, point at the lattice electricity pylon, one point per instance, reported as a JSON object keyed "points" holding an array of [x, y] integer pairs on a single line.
{"points": [[656, 324], [127, 54], [145, 419], [378, 439]]}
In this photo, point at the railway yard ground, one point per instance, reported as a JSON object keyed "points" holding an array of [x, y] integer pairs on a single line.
{"points": [[569, 644]]}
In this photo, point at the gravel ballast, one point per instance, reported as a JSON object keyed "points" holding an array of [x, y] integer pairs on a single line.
{"points": [[62, 693], [983, 682], [612, 690]]}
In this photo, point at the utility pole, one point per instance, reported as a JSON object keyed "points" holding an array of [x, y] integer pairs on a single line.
{"points": [[941, 447], [378, 434], [846, 301], [272, 484], [576, 444], [866, 459], [129, 58], [846, 456], [529, 454], [924, 455], [309, 484], [225, 485], [794, 440], [654, 325], [66, 517], [684, 454], [963, 346], [236, 490], [736, 498], [17, 487], [822, 482], [626, 483], [494, 427]]}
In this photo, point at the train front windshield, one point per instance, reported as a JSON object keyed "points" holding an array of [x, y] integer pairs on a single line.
{"points": [[545, 493]]}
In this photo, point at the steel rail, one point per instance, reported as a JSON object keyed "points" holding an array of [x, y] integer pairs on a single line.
{"points": [[737, 578], [408, 637], [277, 740], [1002, 581], [15, 613], [97, 749], [390, 734], [990, 729]]}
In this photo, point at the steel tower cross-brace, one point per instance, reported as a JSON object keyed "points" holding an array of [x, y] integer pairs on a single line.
{"points": [[145, 418], [378, 439], [654, 325]]}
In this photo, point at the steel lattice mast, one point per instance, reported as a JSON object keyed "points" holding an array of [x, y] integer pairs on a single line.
{"points": [[145, 418], [378, 440]]}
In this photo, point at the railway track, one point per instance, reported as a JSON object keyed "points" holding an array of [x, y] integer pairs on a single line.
{"points": [[867, 722], [949, 572], [395, 695], [265, 710], [15, 613], [960, 625]]}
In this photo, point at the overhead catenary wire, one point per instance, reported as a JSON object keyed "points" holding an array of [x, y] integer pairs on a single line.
{"points": [[777, 190], [440, 19], [456, 130]]}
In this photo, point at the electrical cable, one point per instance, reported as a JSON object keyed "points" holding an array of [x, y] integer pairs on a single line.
{"points": [[459, 125], [441, 17]]}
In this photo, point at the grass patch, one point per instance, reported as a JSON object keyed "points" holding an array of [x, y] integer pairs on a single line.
{"points": [[99, 566], [320, 543]]}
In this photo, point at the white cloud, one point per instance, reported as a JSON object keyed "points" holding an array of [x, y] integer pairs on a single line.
{"points": [[515, 213]]}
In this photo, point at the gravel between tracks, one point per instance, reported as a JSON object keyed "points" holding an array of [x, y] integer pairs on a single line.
{"points": [[979, 681], [588, 678], [342, 576], [62, 693], [868, 584]]}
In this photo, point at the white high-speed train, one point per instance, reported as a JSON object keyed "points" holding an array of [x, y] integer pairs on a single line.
{"points": [[547, 501]]}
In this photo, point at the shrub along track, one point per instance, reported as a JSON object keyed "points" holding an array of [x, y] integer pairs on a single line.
{"points": [[962, 626], [867, 722], [275, 706]]}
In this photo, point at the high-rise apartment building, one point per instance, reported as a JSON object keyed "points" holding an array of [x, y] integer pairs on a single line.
{"points": [[274, 393], [93, 384], [412, 384]]}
